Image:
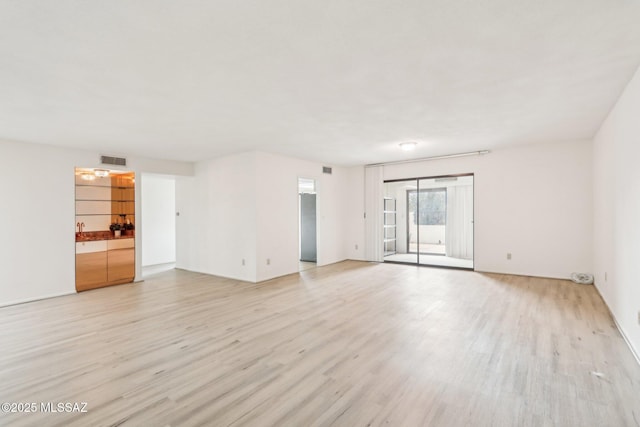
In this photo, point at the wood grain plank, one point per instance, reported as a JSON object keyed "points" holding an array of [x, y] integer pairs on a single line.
{"points": [[344, 345]]}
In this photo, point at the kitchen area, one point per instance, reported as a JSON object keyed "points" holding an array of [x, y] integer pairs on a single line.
{"points": [[105, 228]]}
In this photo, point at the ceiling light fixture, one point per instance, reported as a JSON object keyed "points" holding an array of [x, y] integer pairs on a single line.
{"points": [[101, 173], [408, 146]]}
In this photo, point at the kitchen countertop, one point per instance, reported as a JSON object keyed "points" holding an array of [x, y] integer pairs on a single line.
{"points": [[92, 236]]}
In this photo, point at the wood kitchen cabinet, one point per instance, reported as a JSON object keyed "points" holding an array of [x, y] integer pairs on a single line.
{"points": [[91, 264], [121, 261], [104, 263]]}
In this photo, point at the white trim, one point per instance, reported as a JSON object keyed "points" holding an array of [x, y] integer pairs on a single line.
{"points": [[422, 159], [539, 276], [615, 321], [22, 301], [219, 275], [633, 350]]}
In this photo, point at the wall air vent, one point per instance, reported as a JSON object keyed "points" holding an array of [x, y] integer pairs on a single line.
{"points": [[326, 169], [110, 160]]}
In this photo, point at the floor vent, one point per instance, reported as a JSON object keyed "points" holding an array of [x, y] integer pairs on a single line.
{"points": [[326, 169], [110, 160]]}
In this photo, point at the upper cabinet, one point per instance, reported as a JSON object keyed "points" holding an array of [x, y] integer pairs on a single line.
{"points": [[103, 201], [93, 203], [123, 196]]}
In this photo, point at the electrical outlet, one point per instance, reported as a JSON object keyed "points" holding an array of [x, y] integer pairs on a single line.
{"points": [[356, 247], [508, 255], [268, 261], [605, 276], [242, 261]]}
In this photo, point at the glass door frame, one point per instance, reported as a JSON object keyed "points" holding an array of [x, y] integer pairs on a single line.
{"points": [[418, 191], [473, 213]]}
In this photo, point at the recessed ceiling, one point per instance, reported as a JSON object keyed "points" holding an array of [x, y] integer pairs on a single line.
{"points": [[341, 82]]}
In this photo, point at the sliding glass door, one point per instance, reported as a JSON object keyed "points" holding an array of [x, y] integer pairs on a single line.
{"points": [[397, 233], [429, 221]]}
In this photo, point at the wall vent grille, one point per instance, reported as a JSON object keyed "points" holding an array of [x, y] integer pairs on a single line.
{"points": [[110, 160], [327, 170]]}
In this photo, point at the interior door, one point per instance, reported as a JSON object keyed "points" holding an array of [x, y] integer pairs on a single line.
{"points": [[308, 236]]}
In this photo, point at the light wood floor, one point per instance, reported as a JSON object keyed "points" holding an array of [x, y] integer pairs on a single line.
{"points": [[352, 344]]}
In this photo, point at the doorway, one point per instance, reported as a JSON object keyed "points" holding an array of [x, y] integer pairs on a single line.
{"points": [[105, 227], [158, 214], [429, 221], [307, 223]]}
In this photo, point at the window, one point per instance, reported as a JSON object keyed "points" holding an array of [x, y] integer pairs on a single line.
{"points": [[433, 206]]}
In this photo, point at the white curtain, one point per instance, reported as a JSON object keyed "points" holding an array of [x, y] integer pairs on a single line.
{"points": [[459, 228], [374, 207]]}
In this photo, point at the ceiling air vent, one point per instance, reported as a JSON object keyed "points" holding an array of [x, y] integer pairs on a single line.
{"points": [[326, 169], [110, 160]]}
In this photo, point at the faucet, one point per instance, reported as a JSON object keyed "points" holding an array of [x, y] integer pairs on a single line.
{"points": [[80, 226]]}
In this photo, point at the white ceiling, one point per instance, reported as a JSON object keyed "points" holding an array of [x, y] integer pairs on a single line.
{"points": [[341, 82]]}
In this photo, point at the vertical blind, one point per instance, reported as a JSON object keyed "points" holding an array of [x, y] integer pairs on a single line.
{"points": [[374, 196]]}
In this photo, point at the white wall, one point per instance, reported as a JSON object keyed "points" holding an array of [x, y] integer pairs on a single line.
{"points": [[246, 206], [159, 219], [216, 228], [277, 222], [617, 210], [429, 234], [354, 233], [37, 251], [533, 201]]}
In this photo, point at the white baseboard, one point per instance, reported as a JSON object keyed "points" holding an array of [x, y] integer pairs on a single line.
{"points": [[633, 350], [523, 274], [615, 321], [26, 300]]}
